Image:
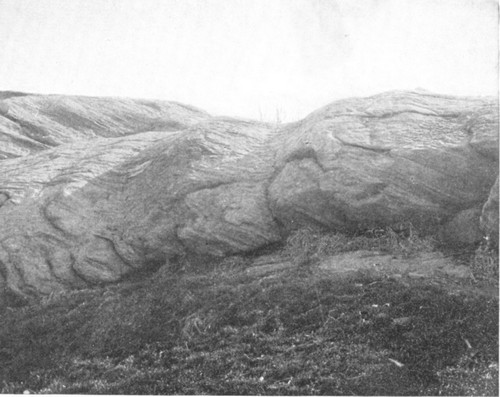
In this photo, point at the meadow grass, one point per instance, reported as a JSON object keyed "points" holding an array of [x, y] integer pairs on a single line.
{"points": [[219, 330]]}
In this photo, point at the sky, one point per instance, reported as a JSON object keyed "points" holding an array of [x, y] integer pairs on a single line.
{"points": [[262, 59]]}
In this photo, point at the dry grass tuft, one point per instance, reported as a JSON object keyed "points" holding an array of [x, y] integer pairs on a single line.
{"points": [[484, 263], [309, 244]]}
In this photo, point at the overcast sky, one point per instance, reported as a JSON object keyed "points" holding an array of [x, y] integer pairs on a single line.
{"points": [[249, 58]]}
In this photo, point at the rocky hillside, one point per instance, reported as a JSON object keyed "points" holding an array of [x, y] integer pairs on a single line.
{"points": [[93, 189]]}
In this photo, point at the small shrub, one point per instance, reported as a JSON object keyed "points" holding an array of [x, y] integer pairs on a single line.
{"points": [[484, 263]]}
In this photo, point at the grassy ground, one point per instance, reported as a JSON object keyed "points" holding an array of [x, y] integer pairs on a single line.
{"points": [[295, 331]]}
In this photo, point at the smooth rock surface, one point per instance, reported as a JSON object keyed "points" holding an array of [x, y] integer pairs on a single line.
{"points": [[463, 228], [371, 262], [98, 195]]}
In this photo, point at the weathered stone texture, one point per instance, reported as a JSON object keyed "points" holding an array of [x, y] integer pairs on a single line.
{"points": [[31, 123], [94, 189], [380, 160]]}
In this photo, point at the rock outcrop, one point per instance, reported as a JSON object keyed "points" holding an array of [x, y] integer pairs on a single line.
{"points": [[95, 189], [376, 161], [32, 123]]}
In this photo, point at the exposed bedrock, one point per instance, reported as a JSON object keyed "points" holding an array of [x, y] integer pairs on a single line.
{"points": [[399, 156], [32, 123], [95, 209]]}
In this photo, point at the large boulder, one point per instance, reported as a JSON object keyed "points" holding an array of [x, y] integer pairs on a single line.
{"points": [[394, 157], [91, 212], [119, 199]]}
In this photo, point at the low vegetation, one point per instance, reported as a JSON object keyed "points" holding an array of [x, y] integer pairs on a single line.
{"points": [[311, 244], [295, 331]]}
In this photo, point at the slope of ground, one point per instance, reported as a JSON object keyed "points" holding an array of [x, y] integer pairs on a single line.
{"points": [[310, 317]]}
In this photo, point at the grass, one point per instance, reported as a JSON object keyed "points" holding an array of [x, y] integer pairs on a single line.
{"points": [[484, 263], [311, 244], [221, 331]]}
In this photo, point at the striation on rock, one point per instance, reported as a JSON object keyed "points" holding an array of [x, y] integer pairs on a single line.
{"points": [[380, 160], [31, 123], [109, 187]]}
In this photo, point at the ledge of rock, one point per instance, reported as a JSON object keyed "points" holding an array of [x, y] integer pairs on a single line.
{"points": [[94, 189]]}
